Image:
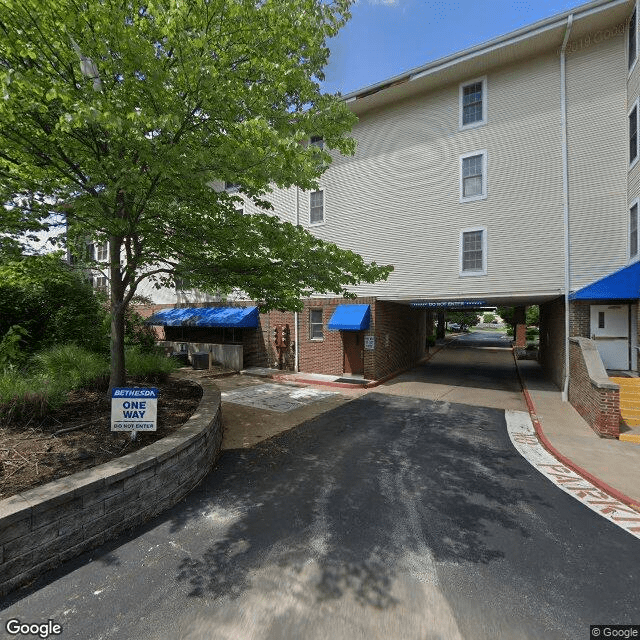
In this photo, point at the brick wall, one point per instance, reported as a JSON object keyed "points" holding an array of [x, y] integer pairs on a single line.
{"points": [[580, 319], [591, 392], [551, 355], [44, 526], [401, 335], [400, 339], [327, 355]]}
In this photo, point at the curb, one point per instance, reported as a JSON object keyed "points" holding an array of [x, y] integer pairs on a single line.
{"points": [[345, 385], [601, 484]]}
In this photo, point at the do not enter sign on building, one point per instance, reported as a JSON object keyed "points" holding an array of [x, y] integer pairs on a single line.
{"points": [[134, 409]]}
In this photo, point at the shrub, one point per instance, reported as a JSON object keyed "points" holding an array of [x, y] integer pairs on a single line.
{"points": [[52, 301], [149, 366], [27, 398], [10, 347], [73, 366]]}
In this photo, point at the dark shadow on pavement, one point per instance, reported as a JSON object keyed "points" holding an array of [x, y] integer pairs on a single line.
{"points": [[356, 490]]}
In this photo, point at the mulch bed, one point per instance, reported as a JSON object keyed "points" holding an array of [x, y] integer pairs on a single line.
{"points": [[33, 454]]}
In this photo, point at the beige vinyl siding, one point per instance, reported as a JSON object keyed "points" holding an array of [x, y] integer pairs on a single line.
{"points": [[597, 129], [397, 200], [633, 91]]}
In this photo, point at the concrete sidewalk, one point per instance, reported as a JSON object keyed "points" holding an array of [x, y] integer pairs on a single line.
{"points": [[612, 462]]}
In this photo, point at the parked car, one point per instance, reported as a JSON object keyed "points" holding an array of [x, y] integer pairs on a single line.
{"points": [[454, 326]]}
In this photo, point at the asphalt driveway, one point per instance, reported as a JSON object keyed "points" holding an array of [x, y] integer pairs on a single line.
{"points": [[385, 517]]}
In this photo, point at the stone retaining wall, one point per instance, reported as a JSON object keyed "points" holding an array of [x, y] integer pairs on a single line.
{"points": [[42, 527]]}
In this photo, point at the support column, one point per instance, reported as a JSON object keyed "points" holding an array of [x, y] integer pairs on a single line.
{"points": [[441, 326], [520, 326]]}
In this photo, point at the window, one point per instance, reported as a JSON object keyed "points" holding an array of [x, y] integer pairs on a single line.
{"points": [[102, 251], [473, 252], [317, 141], [473, 103], [316, 207], [473, 176], [101, 283], [633, 42], [600, 319], [231, 186], [633, 231], [633, 134], [315, 324]]}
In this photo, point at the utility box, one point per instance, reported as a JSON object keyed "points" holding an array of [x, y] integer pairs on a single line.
{"points": [[200, 360]]}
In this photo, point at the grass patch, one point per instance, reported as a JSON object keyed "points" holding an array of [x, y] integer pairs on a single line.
{"points": [[73, 367], [149, 366], [29, 395], [26, 398]]}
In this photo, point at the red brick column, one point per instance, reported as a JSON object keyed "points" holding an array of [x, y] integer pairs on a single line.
{"points": [[520, 324]]}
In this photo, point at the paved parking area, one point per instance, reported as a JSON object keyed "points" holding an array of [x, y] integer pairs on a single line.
{"points": [[254, 410], [275, 397]]}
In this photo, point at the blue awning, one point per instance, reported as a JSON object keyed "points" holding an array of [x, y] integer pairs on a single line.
{"points": [[623, 284], [239, 317], [350, 317]]}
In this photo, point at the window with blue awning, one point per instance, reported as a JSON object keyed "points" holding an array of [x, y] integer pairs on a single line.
{"points": [[350, 317]]}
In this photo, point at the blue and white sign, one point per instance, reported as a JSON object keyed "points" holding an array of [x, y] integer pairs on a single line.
{"points": [[134, 409]]}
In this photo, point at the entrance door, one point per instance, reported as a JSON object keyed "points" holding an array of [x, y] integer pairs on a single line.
{"points": [[610, 331], [353, 351]]}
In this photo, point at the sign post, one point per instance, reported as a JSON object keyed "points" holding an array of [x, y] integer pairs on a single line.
{"points": [[134, 409]]}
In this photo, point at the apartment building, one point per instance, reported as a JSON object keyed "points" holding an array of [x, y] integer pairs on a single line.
{"points": [[505, 174]]}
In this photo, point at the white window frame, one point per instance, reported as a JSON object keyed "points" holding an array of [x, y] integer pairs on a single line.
{"points": [[101, 283], [101, 251], [312, 324], [480, 196], [324, 208], [635, 258], [636, 106], [478, 123], [632, 65], [480, 272]]}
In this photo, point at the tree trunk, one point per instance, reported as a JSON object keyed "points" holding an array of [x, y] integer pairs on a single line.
{"points": [[117, 378]]}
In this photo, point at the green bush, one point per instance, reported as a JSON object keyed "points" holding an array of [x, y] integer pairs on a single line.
{"points": [[73, 366], [53, 302], [149, 366], [27, 398]]}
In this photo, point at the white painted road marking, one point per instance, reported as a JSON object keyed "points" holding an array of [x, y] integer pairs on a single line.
{"points": [[524, 439]]}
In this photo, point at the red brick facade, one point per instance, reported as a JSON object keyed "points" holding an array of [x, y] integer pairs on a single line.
{"points": [[399, 333], [599, 406]]}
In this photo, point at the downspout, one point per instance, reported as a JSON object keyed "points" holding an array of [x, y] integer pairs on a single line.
{"points": [[296, 350], [565, 202]]}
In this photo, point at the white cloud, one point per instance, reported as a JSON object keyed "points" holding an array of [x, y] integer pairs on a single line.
{"points": [[388, 3]]}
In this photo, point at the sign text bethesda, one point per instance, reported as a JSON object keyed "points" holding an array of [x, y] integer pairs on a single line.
{"points": [[134, 409]]}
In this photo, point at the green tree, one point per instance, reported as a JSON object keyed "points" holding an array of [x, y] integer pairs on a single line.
{"points": [[463, 318], [507, 314], [533, 316], [123, 115], [52, 302]]}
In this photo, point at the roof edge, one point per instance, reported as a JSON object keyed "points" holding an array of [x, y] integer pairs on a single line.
{"points": [[511, 37]]}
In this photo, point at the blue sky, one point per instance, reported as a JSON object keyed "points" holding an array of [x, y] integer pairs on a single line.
{"points": [[387, 37]]}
